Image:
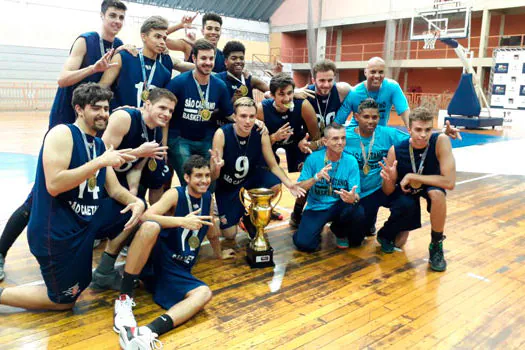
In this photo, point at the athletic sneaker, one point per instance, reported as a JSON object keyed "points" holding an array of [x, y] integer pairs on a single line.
{"points": [[276, 216], [124, 251], [437, 258], [371, 232], [100, 281], [124, 313], [2, 262], [138, 338], [342, 243], [294, 221], [386, 245]]}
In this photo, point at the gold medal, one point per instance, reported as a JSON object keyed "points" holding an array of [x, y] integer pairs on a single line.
{"points": [[415, 184], [205, 114], [194, 242], [152, 164], [144, 95], [366, 169], [244, 90], [92, 182]]}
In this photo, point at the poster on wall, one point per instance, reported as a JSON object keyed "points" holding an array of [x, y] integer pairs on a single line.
{"points": [[508, 80]]}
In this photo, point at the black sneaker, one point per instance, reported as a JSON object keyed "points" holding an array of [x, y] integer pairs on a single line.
{"points": [[294, 221], [371, 232], [386, 245], [275, 215], [2, 262], [437, 258]]}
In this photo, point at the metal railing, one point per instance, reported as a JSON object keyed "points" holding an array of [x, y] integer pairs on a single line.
{"points": [[364, 51], [26, 96]]}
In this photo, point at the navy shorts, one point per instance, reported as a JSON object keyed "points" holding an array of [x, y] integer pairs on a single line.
{"points": [[294, 157], [156, 179], [67, 273], [228, 203], [166, 280]]}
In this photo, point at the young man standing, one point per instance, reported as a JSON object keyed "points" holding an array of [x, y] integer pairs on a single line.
{"points": [[211, 30], [237, 151], [88, 59], [332, 179], [423, 166], [386, 92], [175, 236], [201, 97], [75, 201]]}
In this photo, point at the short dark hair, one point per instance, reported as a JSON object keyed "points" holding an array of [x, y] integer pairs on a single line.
{"points": [[324, 66], [211, 17], [233, 46], [280, 81], [112, 3], [202, 44], [420, 113], [332, 126], [154, 22], [158, 93], [195, 162], [90, 94], [366, 104], [244, 102]]}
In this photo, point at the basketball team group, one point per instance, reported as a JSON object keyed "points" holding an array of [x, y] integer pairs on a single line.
{"points": [[121, 127]]}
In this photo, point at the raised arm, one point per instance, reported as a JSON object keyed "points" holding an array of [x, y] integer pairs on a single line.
{"points": [[259, 84], [389, 172], [216, 161]]}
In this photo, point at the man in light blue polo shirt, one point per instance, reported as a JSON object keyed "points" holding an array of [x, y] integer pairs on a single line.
{"points": [[386, 92]]}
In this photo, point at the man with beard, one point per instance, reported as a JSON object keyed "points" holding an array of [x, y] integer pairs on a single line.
{"points": [[422, 166], [386, 92], [141, 131], [75, 201], [174, 229], [201, 98], [211, 30]]}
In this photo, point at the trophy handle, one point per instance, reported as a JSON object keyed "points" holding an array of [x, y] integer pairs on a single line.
{"points": [[242, 198], [279, 196]]}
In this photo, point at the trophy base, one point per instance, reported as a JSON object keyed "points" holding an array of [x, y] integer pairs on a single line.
{"points": [[259, 259]]}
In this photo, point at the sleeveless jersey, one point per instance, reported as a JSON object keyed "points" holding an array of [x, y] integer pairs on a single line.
{"points": [[135, 137], [404, 165], [274, 120], [329, 106], [56, 221], [232, 85], [175, 241], [241, 155], [62, 112], [130, 82], [219, 65]]}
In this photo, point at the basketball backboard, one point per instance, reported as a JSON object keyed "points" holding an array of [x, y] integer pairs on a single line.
{"points": [[450, 18]]}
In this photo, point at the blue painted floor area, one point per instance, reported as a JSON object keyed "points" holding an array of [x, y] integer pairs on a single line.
{"points": [[469, 139], [21, 167]]}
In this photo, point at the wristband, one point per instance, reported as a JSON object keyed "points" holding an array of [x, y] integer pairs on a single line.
{"points": [[316, 178]]}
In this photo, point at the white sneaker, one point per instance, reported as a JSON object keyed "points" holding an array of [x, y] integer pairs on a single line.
{"points": [[138, 338], [124, 313]]}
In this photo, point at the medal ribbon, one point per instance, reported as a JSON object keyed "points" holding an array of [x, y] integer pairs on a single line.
{"points": [[101, 45], [366, 157], [145, 129], [239, 143], [413, 160], [322, 124], [147, 80], [334, 170], [86, 145], [204, 102], [194, 233], [242, 81]]}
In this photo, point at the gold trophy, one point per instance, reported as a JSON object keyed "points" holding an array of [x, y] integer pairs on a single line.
{"points": [[259, 253]]}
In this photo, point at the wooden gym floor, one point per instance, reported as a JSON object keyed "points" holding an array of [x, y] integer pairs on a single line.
{"points": [[332, 299]]}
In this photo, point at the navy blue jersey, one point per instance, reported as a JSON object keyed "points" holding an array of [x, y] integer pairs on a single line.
{"points": [[240, 155], [274, 120], [57, 221], [130, 82], [166, 61], [176, 240], [326, 107], [62, 112], [135, 137], [232, 85], [187, 121], [404, 165], [219, 65]]}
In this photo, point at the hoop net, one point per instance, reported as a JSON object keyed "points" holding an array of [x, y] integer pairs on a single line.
{"points": [[430, 39]]}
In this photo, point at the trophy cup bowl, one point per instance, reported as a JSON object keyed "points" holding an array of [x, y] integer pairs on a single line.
{"points": [[259, 253]]}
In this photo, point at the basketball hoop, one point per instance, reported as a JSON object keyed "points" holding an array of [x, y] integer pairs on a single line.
{"points": [[430, 39]]}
